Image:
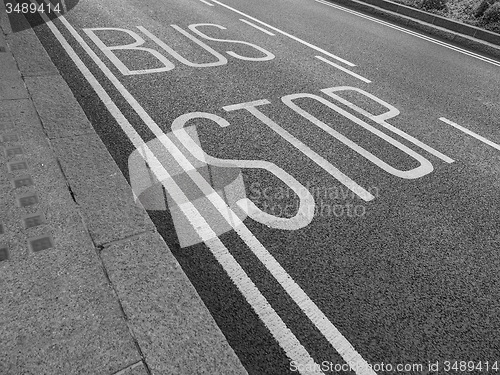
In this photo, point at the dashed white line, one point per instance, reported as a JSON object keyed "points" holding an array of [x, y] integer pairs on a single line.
{"points": [[471, 133], [257, 27], [287, 34], [418, 35], [206, 2], [343, 69]]}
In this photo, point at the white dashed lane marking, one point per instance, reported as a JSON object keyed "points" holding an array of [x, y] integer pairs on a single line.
{"points": [[471, 133], [257, 27], [288, 35]]}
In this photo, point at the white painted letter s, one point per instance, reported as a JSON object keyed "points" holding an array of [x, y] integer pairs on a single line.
{"points": [[304, 214], [268, 55]]}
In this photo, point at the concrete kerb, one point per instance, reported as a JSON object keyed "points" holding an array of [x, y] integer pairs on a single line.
{"points": [[129, 244], [468, 36]]}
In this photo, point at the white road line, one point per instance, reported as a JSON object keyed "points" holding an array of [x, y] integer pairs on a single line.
{"points": [[344, 69], [286, 34], [286, 339], [206, 2], [418, 35], [471, 133], [257, 27]]}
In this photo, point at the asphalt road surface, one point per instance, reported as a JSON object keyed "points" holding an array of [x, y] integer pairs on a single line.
{"points": [[356, 223]]}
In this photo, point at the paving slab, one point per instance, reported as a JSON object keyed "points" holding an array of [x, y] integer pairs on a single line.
{"points": [[61, 116], [4, 20], [173, 327], [107, 202], [11, 84], [106, 199], [30, 55], [59, 313]]}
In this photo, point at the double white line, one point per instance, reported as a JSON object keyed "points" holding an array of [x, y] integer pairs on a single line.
{"points": [[286, 339]]}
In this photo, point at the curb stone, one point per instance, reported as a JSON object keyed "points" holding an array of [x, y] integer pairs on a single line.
{"points": [[467, 36]]}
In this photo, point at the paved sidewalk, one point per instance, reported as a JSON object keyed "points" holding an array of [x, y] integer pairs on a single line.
{"points": [[87, 285]]}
